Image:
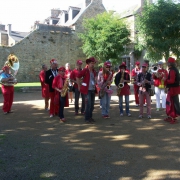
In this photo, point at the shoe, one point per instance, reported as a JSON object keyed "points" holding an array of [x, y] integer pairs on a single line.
{"points": [[82, 113], [87, 121], [168, 119], [10, 111], [149, 117], [144, 105], [173, 121], [51, 115], [5, 113], [63, 120], [157, 109], [100, 107], [107, 116], [140, 116], [137, 105], [46, 109], [76, 113], [104, 116], [129, 114], [92, 120], [121, 114]]}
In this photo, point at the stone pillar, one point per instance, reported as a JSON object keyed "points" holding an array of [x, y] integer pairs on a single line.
{"points": [[9, 29]]}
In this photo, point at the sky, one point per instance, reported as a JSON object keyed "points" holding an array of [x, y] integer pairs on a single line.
{"points": [[23, 13]]}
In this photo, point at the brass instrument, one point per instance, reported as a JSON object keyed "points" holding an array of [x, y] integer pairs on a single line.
{"points": [[104, 86], [11, 82], [120, 85], [13, 63], [65, 88]]}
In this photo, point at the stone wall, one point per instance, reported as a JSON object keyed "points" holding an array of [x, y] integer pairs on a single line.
{"points": [[49, 42]]}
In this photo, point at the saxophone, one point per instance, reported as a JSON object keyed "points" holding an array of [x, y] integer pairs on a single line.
{"points": [[120, 85], [65, 88]]}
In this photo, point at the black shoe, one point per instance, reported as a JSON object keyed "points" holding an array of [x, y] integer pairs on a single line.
{"points": [[92, 120]]}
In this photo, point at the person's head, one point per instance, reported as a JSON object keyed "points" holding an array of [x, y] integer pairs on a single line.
{"points": [[91, 62], [79, 64], [137, 64], [107, 66], [44, 67], [53, 63], [6, 69], [171, 62], [67, 66], [160, 64], [62, 70], [122, 67], [144, 67]]}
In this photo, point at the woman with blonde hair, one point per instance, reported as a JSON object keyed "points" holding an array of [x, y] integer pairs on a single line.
{"points": [[104, 81]]}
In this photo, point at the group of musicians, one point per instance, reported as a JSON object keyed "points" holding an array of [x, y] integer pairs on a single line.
{"points": [[57, 82]]}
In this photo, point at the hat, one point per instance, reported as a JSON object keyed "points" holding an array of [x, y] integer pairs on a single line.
{"points": [[107, 63], [145, 65], [5, 68], [53, 61], [137, 63], [62, 68], [160, 62], [91, 59], [122, 65], [171, 60], [79, 62]]}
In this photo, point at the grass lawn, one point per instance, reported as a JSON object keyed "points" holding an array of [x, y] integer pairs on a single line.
{"points": [[18, 86]]}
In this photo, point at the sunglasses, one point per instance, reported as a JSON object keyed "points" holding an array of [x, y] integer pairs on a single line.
{"points": [[143, 66]]}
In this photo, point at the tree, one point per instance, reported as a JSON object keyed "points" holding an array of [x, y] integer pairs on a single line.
{"points": [[104, 36], [158, 28]]}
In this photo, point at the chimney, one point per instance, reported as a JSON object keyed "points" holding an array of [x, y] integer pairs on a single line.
{"points": [[9, 29], [86, 3]]}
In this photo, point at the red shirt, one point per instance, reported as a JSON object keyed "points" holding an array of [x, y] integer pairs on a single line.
{"points": [[85, 73], [44, 86], [67, 73], [173, 91], [73, 76], [158, 80]]}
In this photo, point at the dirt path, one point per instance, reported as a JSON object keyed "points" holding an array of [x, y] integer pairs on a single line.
{"points": [[34, 146]]}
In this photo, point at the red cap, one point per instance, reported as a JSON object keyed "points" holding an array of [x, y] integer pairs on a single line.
{"points": [[145, 65], [5, 68], [171, 60], [62, 68], [79, 62], [137, 63], [123, 65], [91, 59], [53, 61], [107, 64]]}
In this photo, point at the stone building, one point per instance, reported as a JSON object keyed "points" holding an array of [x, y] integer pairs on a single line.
{"points": [[48, 41]]}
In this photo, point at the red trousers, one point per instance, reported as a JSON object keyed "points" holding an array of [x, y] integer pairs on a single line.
{"points": [[136, 93], [54, 109], [8, 94]]}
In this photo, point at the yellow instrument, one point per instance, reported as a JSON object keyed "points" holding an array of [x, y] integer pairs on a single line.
{"points": [[120, 85], [65, 88]]}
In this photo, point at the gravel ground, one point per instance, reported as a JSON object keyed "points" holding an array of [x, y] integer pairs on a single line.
{"points": [[34, 146]]}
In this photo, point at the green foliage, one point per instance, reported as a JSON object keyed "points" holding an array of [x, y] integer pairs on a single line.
{"points": [[104, 36], [159, 29]]}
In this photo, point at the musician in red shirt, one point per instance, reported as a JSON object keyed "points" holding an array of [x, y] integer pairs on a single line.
{"points": [[87, 87], [44, 86], [67, 74], [159, 84], [59, 83], [104, 81], [134, 74], [77, 93], [173, 87]]}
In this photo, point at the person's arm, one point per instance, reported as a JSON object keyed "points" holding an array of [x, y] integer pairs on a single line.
{"points": [[172, 77]]}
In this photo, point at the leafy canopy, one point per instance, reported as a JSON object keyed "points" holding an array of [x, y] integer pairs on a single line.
{"points": [[159, 29], [104, 36]]}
